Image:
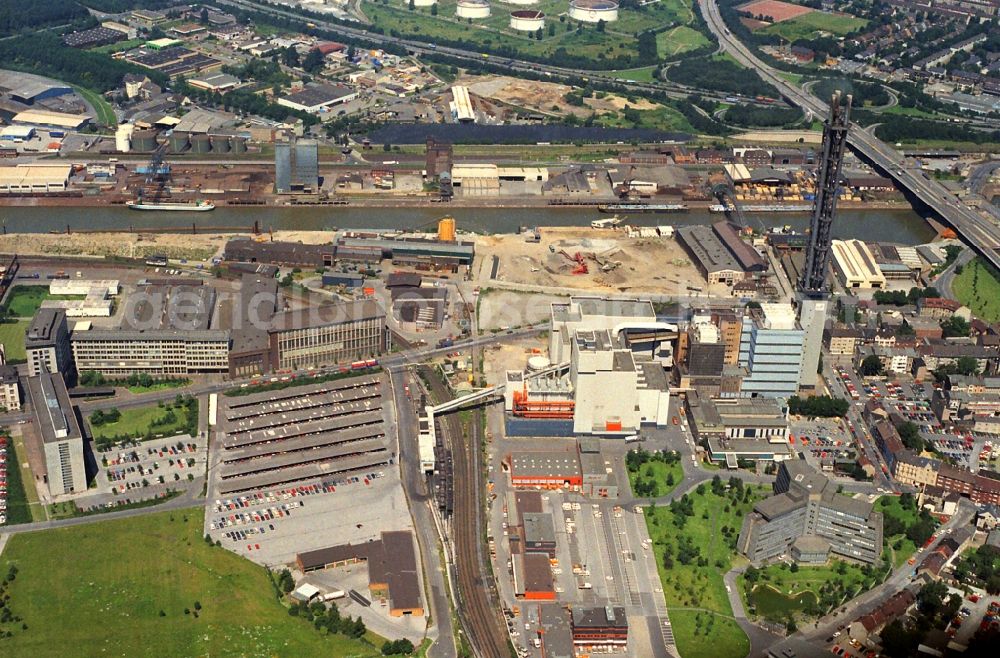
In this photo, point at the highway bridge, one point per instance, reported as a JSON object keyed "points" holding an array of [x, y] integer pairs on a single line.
{"points": [[975, 229]]}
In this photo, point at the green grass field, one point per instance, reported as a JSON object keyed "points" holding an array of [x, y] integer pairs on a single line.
{"points": [[113, 579], [138, 422], [890, 506], [708, 635], [710, 537], [780, 593], [118, 47], [979, 289], [808, 25], [24, 301], [778, 607], [12, 338], [656, 473], [679, 40], [643, 74]]}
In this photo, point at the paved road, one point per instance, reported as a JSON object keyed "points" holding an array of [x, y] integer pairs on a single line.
{"points": [[414, 486]]}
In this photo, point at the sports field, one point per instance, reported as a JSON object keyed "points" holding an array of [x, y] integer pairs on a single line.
{"points": [[133, 587]]}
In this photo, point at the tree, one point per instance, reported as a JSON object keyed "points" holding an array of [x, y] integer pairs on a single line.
{"points": [[411, 6], [600, 25], [204, 16], [955, 327], [967, 365], [434, 9], [314, 61], [290, 57], [871, 366]]}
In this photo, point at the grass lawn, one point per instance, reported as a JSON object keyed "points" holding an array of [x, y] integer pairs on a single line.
{"points": [[12, 338], [706, 541], [139, 421], [643, 74], [662, 118], [978, 288], [105, 115], [121, 574], [679, 40], [18, 505], [708, 635], [794, 78], [806, 25], [160, 386], [24, 301], [899, 547], [654, 474]]}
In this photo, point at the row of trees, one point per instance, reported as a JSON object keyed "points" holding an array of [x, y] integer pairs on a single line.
{"points": [[900, 298], [818, 406]]}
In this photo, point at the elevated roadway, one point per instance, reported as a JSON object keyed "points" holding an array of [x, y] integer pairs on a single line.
{"points": [[974, 228]]}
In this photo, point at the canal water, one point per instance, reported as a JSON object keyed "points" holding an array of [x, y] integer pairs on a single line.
{"points": [[898, 226]]}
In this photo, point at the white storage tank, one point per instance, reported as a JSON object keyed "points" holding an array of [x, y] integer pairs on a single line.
{"points": [[520, 3], [593, 11], [472, 9], [527, 20], [537, 363], [424, 3]]}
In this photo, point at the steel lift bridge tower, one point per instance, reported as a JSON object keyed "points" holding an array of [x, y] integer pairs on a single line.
{"points": [[813, 299], [832, 157]]}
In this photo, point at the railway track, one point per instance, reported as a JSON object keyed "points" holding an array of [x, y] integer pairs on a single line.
{"points": [[478, 615]]}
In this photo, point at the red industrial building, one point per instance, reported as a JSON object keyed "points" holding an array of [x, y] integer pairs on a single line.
{"points": [[600, 627], [549, 469]]}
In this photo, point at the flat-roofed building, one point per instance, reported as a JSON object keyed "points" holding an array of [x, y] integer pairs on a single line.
{"points": [[461, 106], [807, 505], [46, 343], [855, 265], [549, 469], [771, 350], [48, 119], [594, 627], [62, 440], [10, 392], [34, 179], [317, 97], [393, 573]]}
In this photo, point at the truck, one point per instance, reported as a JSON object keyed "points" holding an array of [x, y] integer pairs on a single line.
{"points": [[334, 595], [446, 342]]}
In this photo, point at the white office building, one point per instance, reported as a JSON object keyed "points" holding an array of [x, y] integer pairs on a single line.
{"points": [[771, 350]]}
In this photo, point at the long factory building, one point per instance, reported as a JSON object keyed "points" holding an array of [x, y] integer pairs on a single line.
{"points": [[178, 329]]}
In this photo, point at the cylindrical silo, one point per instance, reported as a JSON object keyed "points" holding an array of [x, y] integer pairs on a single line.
{"points": [[593, 11], [527, 20], [472, 9]]}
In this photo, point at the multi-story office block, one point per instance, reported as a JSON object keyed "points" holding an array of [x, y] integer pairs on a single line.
{"points": [[771, 349], [61, 437]]}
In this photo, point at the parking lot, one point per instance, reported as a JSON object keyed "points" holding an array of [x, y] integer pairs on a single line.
{"points": [[823, 441], [142, 470]]}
